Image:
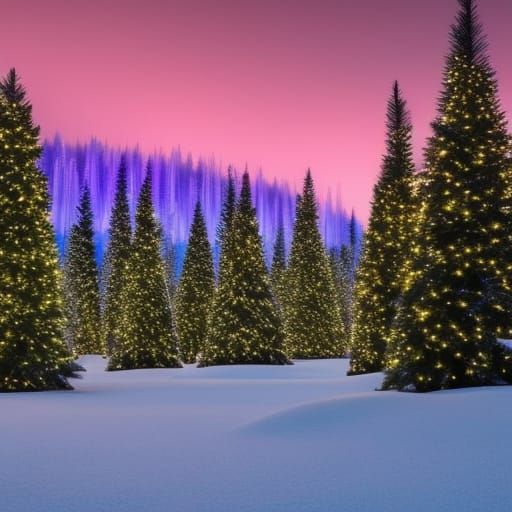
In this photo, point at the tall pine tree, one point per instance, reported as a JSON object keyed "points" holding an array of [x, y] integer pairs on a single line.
{"points": [[244, 326], [33, 355], [342, 269], [195, 290], [379, 275], [82, 284], [312, 319], [227, 215], [147, 339], [459, 302], [278, 268], [116, 261]]}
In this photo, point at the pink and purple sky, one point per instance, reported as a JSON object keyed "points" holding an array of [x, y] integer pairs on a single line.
{"points": [[278, 84]]}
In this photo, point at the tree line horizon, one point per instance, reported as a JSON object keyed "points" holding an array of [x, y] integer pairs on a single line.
{"points": [[429, 303]]}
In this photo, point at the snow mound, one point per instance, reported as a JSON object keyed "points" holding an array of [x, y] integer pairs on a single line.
{"points": [[302, 438]]}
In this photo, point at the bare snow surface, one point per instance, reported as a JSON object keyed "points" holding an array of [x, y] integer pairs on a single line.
{"points": [[302, 438]]}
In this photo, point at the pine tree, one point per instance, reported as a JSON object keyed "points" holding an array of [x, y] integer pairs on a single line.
{"points": [[243, 325], [195, 290], [82, 284], [459, 302], [147, 339], [312, 319], [278, 268], [379, 275], [33, 355], [116, 260], [227, 215], [342, 269], [169, 256], [352, 229]]}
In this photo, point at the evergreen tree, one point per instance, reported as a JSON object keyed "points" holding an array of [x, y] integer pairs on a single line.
{"points": [[352, 229], [33, 355], [147, 339], [169, 256], [342, 269], [450, 317], [116, 260], [81, 284], [195, 290], [278, 269], [243, 326], [227, 214], [387, 240], [312, 320]]}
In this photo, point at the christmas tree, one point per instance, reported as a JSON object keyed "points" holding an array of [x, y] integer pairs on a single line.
{"points": [[342, 263], [278, 268], [243, 325], [387, 239], [459, 301], [195, 290], [81, 284], [353, 246], [169, 256], [227, 215], [147, 339], [33, 355], [116, 261], [312, 319]]}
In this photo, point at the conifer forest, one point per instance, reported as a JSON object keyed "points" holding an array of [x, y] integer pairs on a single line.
{"points": [[204, 337]]}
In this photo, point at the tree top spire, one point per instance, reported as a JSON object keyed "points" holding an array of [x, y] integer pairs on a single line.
{"points": [[11, 87], [467, 35]]}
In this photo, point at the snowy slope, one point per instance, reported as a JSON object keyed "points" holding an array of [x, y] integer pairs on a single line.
{"points": [[253, 439]]}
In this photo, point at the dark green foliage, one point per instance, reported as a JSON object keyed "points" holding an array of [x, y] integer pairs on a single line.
{"points": [[116, 261], [195, 290], [312, 319], [82, 296], [244, 326], [278, 269], [227, 215], [460, 299], [169, 256], [147, 339], [379, 278], [33, 355], [342, 268]]}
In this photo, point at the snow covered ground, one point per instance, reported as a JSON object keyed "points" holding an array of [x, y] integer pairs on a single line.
{"points": [[246, 439]]}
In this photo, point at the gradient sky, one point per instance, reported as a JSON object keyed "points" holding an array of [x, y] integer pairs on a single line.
{"points": [[281, 84]]}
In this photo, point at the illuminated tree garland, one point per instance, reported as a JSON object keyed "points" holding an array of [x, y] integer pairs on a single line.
{"points": [[195, 290], [387, 239], [82, 294], [116, 261], [33, 355], [312, 318], [244, 325], [459, 298], [147, 339]]}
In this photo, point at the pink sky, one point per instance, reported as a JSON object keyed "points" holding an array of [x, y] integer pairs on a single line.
{"points": [[282, 84]]}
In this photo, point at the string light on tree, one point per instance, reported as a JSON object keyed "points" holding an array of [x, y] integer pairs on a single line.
{"points": [[387, 240], [147, 339], [116, 260], [83, 329], [33, 355], [195, 290], [312, 318], [459, 297], [244, 325]]}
